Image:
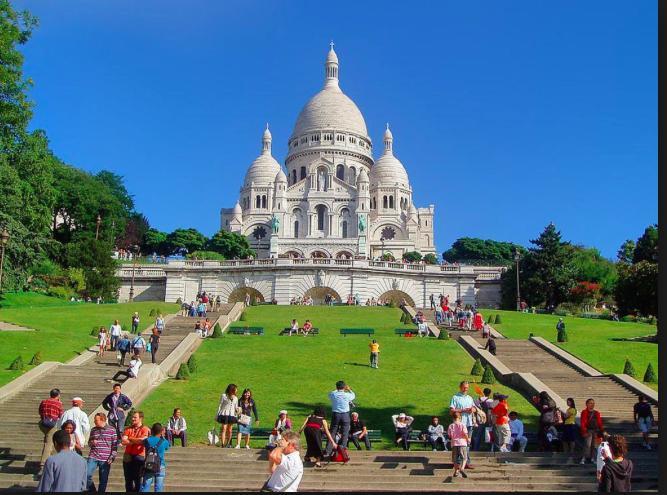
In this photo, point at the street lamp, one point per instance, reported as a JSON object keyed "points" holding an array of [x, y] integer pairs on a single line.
{"points": [[97, 229], [517, 257], [135, 252], [382, 241], [4, 239]]}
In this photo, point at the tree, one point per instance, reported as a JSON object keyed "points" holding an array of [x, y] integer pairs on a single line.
{"points": [[412, 257], [590, 266], [230, 245], [626, 252], [637, 288], [585, 293], [647, 246], [430, 259], [154, 241], [189, 239], [99, 268], [649, 375], [135, 229], [470, 249]]}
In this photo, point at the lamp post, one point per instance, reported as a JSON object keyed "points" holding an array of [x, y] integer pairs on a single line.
{"points": [[4, 239], [382, 241], [517, 257], [135, 252], [97, 229]]}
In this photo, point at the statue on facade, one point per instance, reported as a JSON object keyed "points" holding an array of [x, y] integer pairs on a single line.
{"points": [[394, 284], [275, 224], [321, 180], [362, 224], [319, 278]]}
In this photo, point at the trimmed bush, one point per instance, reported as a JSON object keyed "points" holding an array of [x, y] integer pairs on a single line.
{"points": [[94, 332], [477, 368], [562, 335], [243, 317], [629, 318], [17, 364], [497, 320], [629, 369], [491, 320], [488, 377], [183, 372], [444, 335], [192, 364], [152, 312], [217, 331], [36, 359], [179, 301], [649, 376]]}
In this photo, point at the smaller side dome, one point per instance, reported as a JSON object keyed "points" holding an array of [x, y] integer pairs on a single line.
{"points": [[388, 170], [264, 169], [237, 209], [280, 176], [363, 176]]}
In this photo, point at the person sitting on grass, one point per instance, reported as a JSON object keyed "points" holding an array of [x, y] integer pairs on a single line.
{"points": [[307, 327], [294, 328], [402, 424], [458, 435]]}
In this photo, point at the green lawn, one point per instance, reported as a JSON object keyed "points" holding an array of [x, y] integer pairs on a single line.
{"points": [[589, 340], [62, 328], [417, 376]]}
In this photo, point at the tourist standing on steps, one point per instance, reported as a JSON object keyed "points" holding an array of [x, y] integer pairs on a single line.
{"points": [[616, 474], [460, 439], [138, 345], [116, 403], [65, 471], [123, 347], [102, 341], [375, 352], [432, 299], [249, 409], [570, 432], [313, 427], [69, 427], [50, 411], [228, 410], [547, 408], [156, 441], [159, 323], [115, 331], [591, 430], [285, 465], [643, 416], [463, 403], [154, 342], [135, 452], [79, 418], [501, 430], [135, 322], [340, 406], [103, 443]]}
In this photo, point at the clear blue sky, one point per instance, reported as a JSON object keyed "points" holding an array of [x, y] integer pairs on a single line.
{"points": [[507, 115]]}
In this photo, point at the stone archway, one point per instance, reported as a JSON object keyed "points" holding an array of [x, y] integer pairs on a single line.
{"points": [[397, 296], [292, 254], [345, 255], [318, 294], [238, 295], [319, 254]]}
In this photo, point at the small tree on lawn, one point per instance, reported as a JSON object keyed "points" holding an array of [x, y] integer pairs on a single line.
{"points": [[192, 364], [649, 376], [243, 317], [183, 372], [217, 331], [17, 364], [36, 359], [152, 312], [491, 320], [497, 320], [629, 369], [477, 368], [444, 335], [488, 377]]}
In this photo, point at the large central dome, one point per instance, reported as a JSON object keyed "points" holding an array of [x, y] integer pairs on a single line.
{"points": [[330, 109]]}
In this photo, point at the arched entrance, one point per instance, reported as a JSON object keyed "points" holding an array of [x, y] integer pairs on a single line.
{"points": [[238, 295], [397, 296], [318, 294]]}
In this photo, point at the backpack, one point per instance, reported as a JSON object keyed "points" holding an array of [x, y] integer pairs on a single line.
{"points": [[124, 345], [480, 417], [139, 342], [340, 455], [153, 463]]}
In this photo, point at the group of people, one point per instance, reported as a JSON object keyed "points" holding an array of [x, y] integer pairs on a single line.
{"points": [[115, 339], [305, 330], [69, 431], [302, 301]]}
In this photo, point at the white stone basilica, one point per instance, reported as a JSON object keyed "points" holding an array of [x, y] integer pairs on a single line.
{"points": [[335, 201]]}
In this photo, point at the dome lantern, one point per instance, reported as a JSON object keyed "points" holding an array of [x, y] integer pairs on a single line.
{"points": [[388, 141], [266, 141], [331, 68]]}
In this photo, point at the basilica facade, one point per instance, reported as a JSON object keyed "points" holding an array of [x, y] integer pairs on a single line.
{"points": [[332, 199]]}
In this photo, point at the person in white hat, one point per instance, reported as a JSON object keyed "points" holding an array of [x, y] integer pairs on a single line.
{"points": [[283, 423], [80, 418], [402, 424]]}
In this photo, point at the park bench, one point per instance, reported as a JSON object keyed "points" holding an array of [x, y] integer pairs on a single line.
{"points": [[246, 330], [357, 331], [313, 331], [415, 437], [403, 331]]}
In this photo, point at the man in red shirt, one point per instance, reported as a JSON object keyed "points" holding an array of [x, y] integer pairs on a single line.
{"points": [[502, 431], [135, 452], [50, 411]]}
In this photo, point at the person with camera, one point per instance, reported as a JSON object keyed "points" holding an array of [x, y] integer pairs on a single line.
{"points": [[285, 464], [340, 406]]}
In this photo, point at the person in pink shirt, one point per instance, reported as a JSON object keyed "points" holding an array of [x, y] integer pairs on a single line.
{"points": [[458, 435]]}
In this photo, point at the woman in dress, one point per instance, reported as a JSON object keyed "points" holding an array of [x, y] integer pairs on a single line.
{"points": [[313, 427], [227, 412], [102, 341], [248, 408]]}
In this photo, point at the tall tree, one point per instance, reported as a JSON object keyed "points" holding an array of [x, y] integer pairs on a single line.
{"points": [[230, 245], [471, 249], [154, 241], [626, 252], [190, 239], [553, 269], [647, 246]]}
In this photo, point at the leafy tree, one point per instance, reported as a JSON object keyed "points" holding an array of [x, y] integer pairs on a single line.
{"points": [[135, 229], [114, 184], [189, 239], [430, 259], [626, 252], [99, 268], [154, 241], [647, 246], [585, 293], [230, 245], [637, 288], [205, 255], [467, 249], [412, 256], [590, 266]]}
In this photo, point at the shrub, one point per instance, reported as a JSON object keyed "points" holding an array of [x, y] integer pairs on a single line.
{"points": [[629, 369], [477, 368], [152, 312], [488, 377], [562, 335], [192, 364], [36, 359], [497, 320], [444, 335], [243, 317], [183, 372], [94, 332], [60, 292], [649, 376], [491, 320], [392, 303], [629, 318], [430, 259], [17, 364], [217, 331]]}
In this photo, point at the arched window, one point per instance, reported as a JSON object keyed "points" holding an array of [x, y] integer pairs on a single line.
{"points": [[296, 229], [344, 229], [384, 202], [258, 201], [340, 172], [263, 201], [321, 217], [303, 173], [353, 175], [293, 176], [391, 201]]}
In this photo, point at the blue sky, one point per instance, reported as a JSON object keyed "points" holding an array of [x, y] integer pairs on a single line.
{"points": [[506, 115]]}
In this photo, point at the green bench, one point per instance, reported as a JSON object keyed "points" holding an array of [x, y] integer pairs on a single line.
{"points": [[403, 331], [246, 330], [415, 437], [313, 331], [357, 331]]}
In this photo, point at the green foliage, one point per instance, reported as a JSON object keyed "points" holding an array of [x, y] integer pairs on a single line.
{"points": [[36, 359], [477, 368], [629, 318], [590, 266], [649, 375], [190, 239], [183, 372], [154, 241], [430, 259], [498, 320], [412, 256], [205, 255], [217, 331], [491, 320], [392, 303], [562, 335], [387, 257], [488, 377], [128, 418], [470, 249], [152, 312], [626, 252], [629, 369], [94, 332], [647, 246], [61, 292], [192, 364], [243, 316], [17, 364], [444, 335], [637, 288], [230, 245]]}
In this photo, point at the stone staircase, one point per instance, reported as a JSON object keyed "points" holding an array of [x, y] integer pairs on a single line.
{"points": [[21, 440]]}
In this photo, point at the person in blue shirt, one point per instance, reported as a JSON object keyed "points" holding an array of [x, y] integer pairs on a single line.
{"points": [[157, 441], [463, 403], [340, 405]]}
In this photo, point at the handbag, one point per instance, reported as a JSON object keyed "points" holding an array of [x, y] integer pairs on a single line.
{"points": [[487, 434], [212, 436], [244, 419]]}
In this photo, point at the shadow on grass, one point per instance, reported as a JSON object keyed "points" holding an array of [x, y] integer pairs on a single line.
{"points": [[359, 364]]}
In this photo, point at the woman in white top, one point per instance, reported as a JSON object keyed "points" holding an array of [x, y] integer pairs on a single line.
{"points": [[402, 424], [115, 332], [228, 411], [159, 324], [102, 341]]}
